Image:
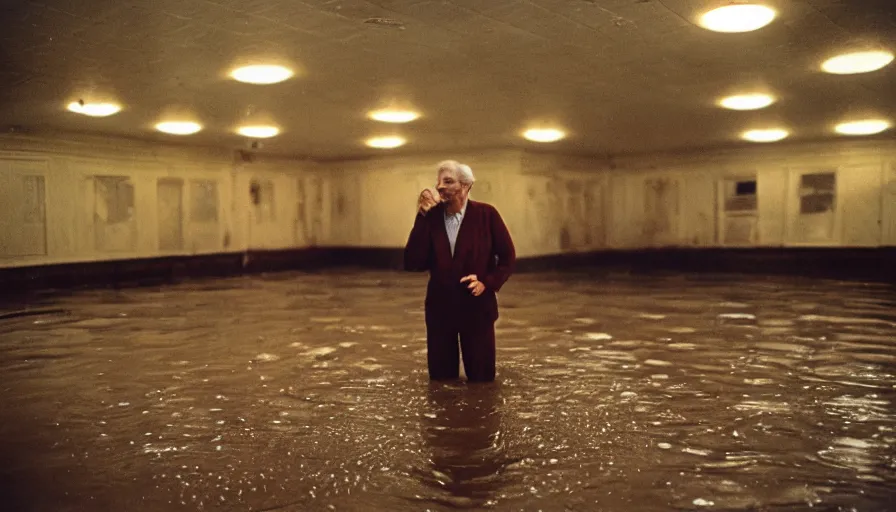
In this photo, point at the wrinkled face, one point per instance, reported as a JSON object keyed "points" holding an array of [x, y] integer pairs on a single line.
{"points": [[449, 187]]}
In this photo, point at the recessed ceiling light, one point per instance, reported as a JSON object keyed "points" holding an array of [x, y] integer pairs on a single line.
{"points": [[258, 132], [737, 18], [770, 135], [179, 127], [544, 134], [261, 74], [394, 116], [386, 142], [864, 127], [747, 101], [857, 62], [94, 109]]}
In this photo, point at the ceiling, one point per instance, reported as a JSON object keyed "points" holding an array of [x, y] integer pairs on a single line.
{"points": [[620, 76]]}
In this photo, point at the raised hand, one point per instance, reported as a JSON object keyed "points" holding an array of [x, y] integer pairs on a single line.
{"points": [[427, 200]]}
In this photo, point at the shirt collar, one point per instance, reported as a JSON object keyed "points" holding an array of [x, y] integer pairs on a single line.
{"points": [[461, 213]]}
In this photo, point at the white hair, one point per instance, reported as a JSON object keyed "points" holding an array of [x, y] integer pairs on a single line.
{"points": [[462, 171]]}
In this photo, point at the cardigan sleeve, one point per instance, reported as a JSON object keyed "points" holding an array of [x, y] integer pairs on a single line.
{"points": [[503, 251], [418, 250]]}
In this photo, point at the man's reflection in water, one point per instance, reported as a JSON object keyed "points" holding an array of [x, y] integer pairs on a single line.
{"points": [[464, 430]]}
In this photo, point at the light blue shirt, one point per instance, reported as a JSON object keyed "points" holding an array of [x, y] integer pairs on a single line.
{"points": [[452, 225]]}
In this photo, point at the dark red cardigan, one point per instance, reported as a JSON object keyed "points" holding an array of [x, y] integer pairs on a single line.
{"points": [[483, 247]]}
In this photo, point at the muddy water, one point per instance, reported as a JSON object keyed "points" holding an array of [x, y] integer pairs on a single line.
{"points": [[309, 392]]}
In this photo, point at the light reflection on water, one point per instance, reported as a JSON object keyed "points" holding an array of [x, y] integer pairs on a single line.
{"points": [[309, 392]]}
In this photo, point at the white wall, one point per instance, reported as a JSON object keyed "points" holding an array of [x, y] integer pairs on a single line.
{"points": [[861, 207], [562, 204], [74, 199], [375, 200], [58, 203]]}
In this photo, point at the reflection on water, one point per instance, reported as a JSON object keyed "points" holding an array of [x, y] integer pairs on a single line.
{"points": [[463, 434], [309, 392]]}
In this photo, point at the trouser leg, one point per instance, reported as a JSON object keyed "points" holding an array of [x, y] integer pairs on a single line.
{"points": [[477, 341], [442, 355]]}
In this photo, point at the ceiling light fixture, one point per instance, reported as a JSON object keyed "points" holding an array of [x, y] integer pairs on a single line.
{"points": [[394, 116], [386, 142], [261, 74], [737, 18], [258, 132], [857, 62], [864, 127], [747, 101], [770, 135], [178, 127], [544, 134], [93, 109]]}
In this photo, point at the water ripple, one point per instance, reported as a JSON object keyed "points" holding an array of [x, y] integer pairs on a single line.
{"points": [[308, 391]]}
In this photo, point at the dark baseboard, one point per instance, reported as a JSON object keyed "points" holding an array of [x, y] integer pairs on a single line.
{"points": [[877, 264], [148, 271]]}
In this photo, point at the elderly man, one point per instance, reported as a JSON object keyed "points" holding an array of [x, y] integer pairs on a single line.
{"points": [[469, 254]]}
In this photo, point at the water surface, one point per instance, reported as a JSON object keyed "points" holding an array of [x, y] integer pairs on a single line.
{"points": [[308, 391]]}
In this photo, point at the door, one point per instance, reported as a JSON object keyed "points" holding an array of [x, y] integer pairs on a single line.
{"points": [[738, 211], [302, 228], [889, 208], [816, 218], [23, 228], [169, 198], [263, 226], [594, 213], [318, 215], [661, 212]]}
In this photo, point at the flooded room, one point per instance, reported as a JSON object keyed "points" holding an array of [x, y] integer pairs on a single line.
{"points": [[440, 255]]}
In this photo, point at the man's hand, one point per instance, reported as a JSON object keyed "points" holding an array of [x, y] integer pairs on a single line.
{"points": [[427, 200], [475, 284]]}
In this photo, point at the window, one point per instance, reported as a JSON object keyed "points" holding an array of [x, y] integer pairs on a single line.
{"points": [[745, 188], [114, 220], [740, 196], [817, 193], [115, 199]]}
